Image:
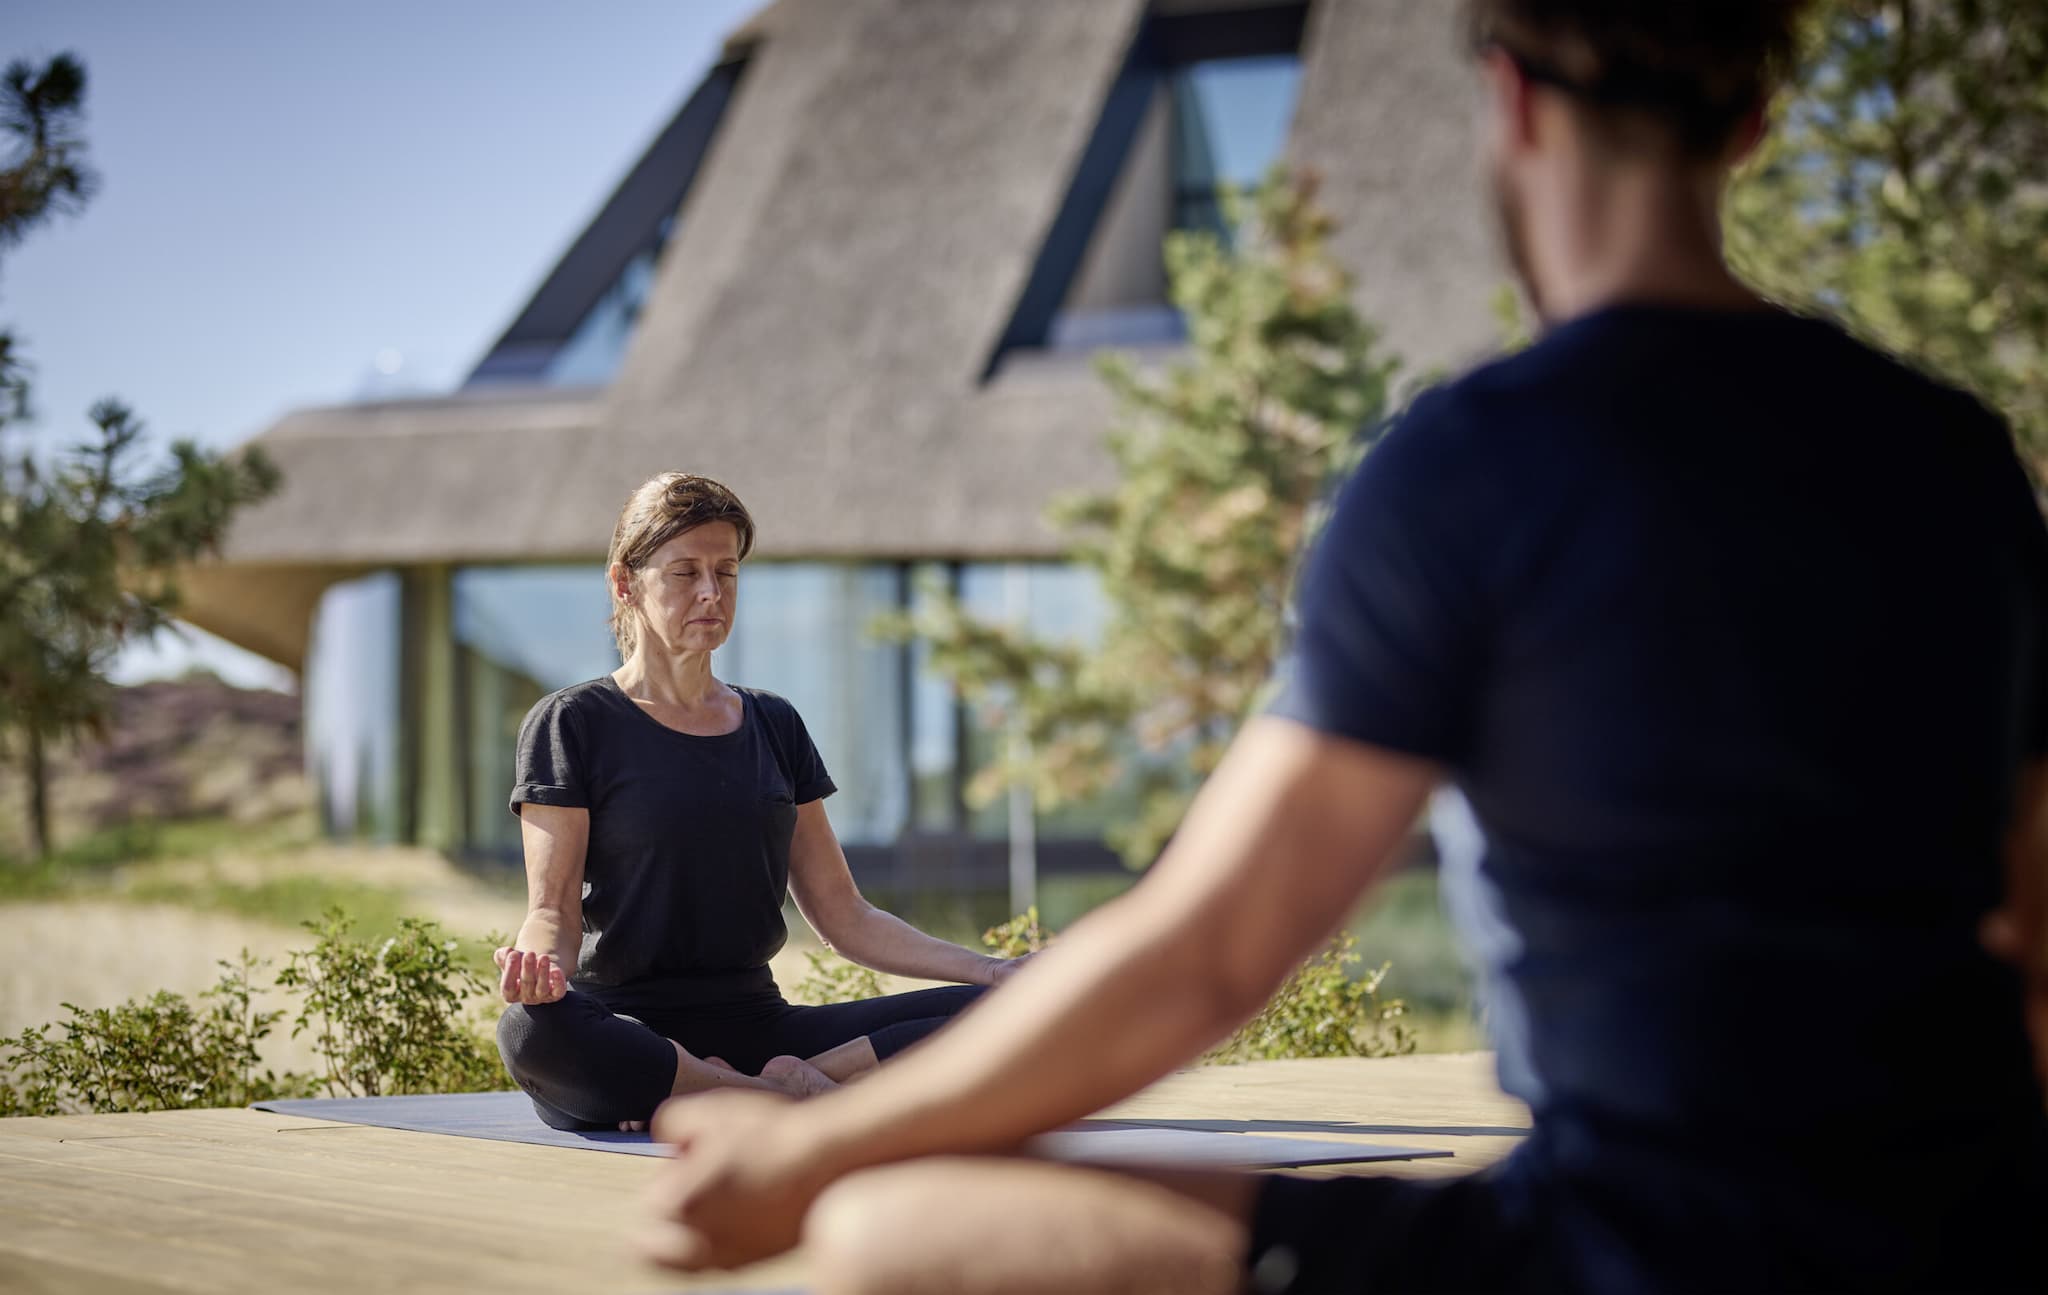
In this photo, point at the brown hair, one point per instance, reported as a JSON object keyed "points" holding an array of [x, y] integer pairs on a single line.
{"points": [[660, 509], [1694, 67]]}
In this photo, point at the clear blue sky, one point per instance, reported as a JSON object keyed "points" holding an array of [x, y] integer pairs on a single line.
{"points": [[293, 193]]}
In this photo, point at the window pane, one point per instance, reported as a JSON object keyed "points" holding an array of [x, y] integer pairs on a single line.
{"points": [[1231, 118], [352, 719], [934, 724], [802, 631], [592, 355], [1056, 601], [520, 633]]}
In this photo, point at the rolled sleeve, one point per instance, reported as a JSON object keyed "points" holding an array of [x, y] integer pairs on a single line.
{"points": [[548, 766]]}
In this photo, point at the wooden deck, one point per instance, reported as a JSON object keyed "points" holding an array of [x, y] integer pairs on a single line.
{"points": [[239, 1200]]}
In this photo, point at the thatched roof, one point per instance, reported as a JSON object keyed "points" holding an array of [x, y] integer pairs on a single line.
{"points": [[820, 332]]}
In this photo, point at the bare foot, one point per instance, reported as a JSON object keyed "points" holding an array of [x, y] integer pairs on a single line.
{"points": [[797, 1077], [640, 1126]]}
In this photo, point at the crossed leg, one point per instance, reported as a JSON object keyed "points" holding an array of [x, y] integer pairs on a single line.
{"points": [[997, 1226]]}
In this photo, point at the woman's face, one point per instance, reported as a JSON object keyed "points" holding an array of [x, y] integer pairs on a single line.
{"points": [[688, 591]]}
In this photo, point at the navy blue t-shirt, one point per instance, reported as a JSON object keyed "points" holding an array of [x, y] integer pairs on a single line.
{"points": [[1731, 629]]}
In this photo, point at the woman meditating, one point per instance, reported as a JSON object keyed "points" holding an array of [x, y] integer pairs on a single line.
{"points": [[664, 816]]}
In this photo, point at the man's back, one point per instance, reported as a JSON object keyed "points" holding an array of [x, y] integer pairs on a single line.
{"points": [[1733, 633]]}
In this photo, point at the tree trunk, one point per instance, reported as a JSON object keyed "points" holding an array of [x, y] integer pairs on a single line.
{"points": [[38, 797]]}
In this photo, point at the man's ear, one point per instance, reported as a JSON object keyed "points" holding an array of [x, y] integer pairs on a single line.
{"points": [[1509, 102], [1749, 133]]}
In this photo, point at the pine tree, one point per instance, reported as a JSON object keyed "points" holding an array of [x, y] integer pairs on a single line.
{"points": [[1221, 462], [89, 540], [1904, 189]]}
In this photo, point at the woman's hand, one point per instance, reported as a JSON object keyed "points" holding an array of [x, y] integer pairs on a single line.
{"points": [[1001, 969], [529, 978]]}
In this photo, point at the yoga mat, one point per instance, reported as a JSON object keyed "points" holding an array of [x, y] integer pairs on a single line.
{"points": [[509, 1117]]}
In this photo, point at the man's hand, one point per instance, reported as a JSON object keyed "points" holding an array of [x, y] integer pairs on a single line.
{"points": [[529, 978], [745, 1173]]}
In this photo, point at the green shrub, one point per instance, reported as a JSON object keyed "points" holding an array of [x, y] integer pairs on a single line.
{"points": [[1020, 935], [390, 1017], [1322, 1010], [163, 1053], [832, 979], [393, 1018]]}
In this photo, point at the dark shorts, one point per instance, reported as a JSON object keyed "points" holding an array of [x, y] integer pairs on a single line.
{"points": [[1315, 1235], [1876, 1212]]}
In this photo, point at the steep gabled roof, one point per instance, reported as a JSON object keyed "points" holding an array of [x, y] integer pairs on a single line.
{"points": [[844, 266]]}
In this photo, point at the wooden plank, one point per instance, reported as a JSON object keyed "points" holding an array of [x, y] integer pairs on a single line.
{"points": [[246, 1200]]}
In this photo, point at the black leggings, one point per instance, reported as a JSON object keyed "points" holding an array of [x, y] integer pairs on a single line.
{"points": [[601, 1055]]}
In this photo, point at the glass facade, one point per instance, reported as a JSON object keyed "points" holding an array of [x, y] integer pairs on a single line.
{"points": [[802, 630], [898, 744], [352, 705], [1230, 124], [520, 633], [592, 354], [1055, 602]]}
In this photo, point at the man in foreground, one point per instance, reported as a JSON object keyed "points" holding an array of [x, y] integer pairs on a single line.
{"points": [[1732, 631]]}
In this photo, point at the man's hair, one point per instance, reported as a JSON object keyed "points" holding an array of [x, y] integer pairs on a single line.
{"points": [[1695, 67]]}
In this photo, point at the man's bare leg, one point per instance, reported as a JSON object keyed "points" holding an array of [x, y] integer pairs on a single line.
{"points": [[995, 1226]]}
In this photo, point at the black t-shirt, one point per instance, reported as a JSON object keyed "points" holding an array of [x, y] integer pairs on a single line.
{"points": [[688, 861], [1732, 631]]}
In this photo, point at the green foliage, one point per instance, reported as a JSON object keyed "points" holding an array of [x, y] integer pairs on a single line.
{"points": [[163, 1053], [1020, 935], [88, 542], [1324, 1010], [1900, 190], [391, 1018], [832, 979], [1221, 460], [45, 174], [1515, 333]]}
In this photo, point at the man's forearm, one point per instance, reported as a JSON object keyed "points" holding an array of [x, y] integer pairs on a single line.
{"points": [[1110, 1010], [1277, 848]]}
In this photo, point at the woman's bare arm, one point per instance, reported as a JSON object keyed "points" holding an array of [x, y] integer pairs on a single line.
{"points": [[830, 901], [536, 966]]}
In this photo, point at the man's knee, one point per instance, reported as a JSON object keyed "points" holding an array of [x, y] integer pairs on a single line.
{"points": [[990, 1227], [862, 1235]]}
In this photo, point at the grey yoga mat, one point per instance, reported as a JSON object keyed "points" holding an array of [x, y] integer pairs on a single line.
{"points": [[509, 1117]]}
